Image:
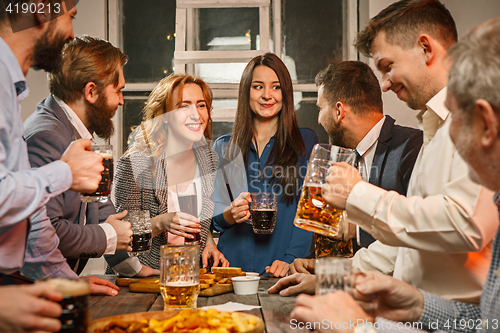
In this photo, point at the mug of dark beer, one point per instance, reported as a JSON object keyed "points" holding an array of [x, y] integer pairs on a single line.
{"points": [[140, 222], [263, 211], [75, 308], [103, 191]]}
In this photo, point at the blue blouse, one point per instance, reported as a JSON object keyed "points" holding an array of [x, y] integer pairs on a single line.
{"points": [[239, 244]]}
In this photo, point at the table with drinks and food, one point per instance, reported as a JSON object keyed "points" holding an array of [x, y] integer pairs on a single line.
{"points": [[187, 298]]}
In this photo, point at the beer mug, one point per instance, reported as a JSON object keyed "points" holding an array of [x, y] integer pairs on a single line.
{"points": [[339, 245], [140, 223], [313, 213], [332, 274], [103, 191], [263, 211], [180, 275], [75, 307]]}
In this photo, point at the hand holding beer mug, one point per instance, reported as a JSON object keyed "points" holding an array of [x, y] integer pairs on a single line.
{"points": [[263, 211], [103, 191], [313, 212], [140, 223], [180, 275], [188, 203]]}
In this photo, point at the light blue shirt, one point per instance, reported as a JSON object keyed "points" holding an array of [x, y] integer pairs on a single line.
{"points": [[23, 190]]}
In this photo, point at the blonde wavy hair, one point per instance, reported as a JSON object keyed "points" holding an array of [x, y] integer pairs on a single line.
{"points": [[151, 134]]}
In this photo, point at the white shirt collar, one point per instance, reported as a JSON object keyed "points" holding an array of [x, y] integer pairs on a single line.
{"points": [[74, 119], [370, 138], [436, 105]]}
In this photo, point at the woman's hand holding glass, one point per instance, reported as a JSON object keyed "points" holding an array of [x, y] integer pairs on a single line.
{"points": [[239, 210], [177, 223]]}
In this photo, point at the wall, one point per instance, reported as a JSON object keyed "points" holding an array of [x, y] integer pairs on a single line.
{"points": [[467, 14], [90, 20]]}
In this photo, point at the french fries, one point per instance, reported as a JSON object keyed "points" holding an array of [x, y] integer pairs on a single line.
{"points": [[199, 321], [219, 275]]}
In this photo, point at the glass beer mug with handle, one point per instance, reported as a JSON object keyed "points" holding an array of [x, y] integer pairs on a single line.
{"points": [[313, 213]]}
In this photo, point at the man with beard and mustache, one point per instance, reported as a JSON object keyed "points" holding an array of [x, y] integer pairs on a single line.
{"points": [[24, 190], [85, 94], [350, 103]]}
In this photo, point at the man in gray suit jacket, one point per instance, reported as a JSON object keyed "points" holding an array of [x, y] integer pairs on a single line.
{"points": [[85, 95], [350, 102]]}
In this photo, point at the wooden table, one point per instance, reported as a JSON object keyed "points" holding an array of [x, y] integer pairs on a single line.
{"points": [[275, 310]]}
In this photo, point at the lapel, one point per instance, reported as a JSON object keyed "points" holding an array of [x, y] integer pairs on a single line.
{"points": [[384, 138], [51, 106]]}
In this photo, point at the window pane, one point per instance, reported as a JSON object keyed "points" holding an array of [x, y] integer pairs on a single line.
{"points": [[148, 29], [307, 114], [312, 35], [132, 116], [228, 29], [220, 73]]}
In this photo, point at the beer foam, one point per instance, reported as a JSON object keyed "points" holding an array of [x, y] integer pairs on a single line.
{"points": [[105, 155], [70, 287], [181, 284]]}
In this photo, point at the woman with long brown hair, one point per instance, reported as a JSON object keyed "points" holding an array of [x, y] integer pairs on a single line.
{"points": [[169, 150], [275, 154]]}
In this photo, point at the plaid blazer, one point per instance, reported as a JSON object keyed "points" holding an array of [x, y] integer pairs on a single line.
{"points": [[140, 184]]}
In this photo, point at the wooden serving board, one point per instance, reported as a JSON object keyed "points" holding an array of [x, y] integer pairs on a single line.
{"points": [[217, 289], [159, 315]]}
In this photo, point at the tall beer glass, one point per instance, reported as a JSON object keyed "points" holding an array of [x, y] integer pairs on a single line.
{"points": [[188, 203], [104, 190], [180, 275], [313, 214]]}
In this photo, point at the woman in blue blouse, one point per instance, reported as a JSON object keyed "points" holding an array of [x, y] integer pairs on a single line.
{"points": [[274, 153]]}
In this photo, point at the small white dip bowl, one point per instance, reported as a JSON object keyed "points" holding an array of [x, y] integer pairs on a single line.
{"points": [[245, 285]]}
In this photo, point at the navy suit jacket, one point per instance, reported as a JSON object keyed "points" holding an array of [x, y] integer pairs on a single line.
{"points": [[393, 162], [48, 133]]}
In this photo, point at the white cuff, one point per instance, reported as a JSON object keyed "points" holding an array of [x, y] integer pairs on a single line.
{"points": [[111, 237]]}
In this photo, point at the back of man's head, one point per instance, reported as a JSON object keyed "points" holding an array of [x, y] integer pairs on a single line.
{"points": [[475, 72], [403, 21], [86, 59], [352, 83]]}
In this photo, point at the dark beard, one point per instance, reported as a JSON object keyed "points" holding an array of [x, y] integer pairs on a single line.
{"points": [[99, 116], [47, 53], [337, 137]]}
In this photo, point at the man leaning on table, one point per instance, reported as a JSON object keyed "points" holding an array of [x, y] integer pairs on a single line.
{"points": [[350, 103], [474, 101], [424, 238], [26, 40]]}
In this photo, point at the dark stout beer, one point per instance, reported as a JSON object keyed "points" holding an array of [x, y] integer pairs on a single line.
{"points": [[263, 220], [104, 189], [141, 242], [189, 204]]}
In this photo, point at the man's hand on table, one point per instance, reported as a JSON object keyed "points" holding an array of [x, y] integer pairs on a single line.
{"points": [[301, 265], [278, 269], [336, 307], [294, 284], [100, 286]]}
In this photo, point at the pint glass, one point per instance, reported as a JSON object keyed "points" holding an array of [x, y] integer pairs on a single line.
{"points": [[188, 203], [313, 213], [180, 275], [104, 190]]}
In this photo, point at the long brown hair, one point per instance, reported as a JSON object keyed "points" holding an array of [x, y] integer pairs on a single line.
{"points": [[161, 101], [288, 145]]}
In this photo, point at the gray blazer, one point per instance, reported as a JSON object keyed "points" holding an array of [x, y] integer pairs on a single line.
{"points": [[393, 162], [48, 133], [140, 184]]}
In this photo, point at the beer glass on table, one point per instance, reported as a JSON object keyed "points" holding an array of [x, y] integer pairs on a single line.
{"points": [[104, 190], [263, 211], [180, 275], [332, 274], [313, 213], [188, 203], [140, 222], [75, 307]]}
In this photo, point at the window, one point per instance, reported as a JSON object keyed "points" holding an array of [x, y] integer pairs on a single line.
{"points": [[307, 35]]}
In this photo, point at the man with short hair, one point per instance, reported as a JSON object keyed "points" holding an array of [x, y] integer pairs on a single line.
{"points": [[428, 237], [350, 103], [24, 190], [70, 112], [474, 101]]}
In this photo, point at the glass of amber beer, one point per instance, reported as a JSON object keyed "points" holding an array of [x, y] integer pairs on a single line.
{"points": [[313, 213], [103, 191], [180, 275], [75, 308]]}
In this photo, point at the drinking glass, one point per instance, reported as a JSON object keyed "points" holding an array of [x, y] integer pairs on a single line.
{"points": [[140, 222], [263, 211], [188, 203], [332, 274], [180, 275], [313, 213], [104, 190]]}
